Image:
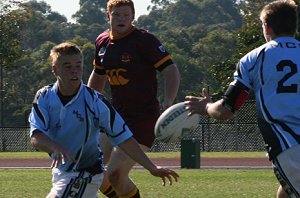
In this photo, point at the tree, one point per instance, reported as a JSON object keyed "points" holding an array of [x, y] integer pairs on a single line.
{"points": [[249, 36], [91, 12], [10, 46], [41, 25], [10, 24], [205, 33]]}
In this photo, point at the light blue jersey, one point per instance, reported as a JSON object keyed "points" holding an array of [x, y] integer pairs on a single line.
{"points": [[273, 72], [77, 124]]}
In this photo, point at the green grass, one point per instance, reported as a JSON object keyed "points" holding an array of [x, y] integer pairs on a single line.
{"points": [[150, 154], [36, 183], [23, 155], [208, 183]]}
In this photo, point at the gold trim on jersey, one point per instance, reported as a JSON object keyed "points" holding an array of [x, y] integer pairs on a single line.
{"points": [[159, 63], [97, 66]]}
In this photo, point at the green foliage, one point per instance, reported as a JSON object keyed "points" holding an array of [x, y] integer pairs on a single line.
{"points": [[205, 34], [41, 25], [249, 36], [10, 24], [205, 38], [222, 74], [90, 12]]}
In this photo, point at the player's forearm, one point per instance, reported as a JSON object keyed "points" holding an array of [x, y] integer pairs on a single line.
{"points": [[97, 82], [172, 81], [134, 151], [217, 111], [41, 142]]}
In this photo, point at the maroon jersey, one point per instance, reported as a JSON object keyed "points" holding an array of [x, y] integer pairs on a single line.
{"points": [[131, 62]]}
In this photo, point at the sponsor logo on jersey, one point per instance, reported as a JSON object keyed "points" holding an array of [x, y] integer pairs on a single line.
{"points": [[162, 48], [101, 51], [115, 76], [126, 58], [78, 115]]}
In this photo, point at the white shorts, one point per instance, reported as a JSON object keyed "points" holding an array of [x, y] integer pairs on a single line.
{"points": [[287, 170], [75, 184]]}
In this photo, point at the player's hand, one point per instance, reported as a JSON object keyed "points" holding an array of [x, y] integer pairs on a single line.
{"points": [[164, 173], [61, 155], [198, 104]]}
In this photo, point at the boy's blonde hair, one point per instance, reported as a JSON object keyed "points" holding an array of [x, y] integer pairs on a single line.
{"points": [[62, 50]]}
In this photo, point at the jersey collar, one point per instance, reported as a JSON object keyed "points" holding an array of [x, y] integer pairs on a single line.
{"points": [[112, 37]]}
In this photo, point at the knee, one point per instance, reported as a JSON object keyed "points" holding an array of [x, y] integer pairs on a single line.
{"points": [[114, 176]]}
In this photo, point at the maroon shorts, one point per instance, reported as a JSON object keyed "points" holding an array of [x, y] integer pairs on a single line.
{"points": [[143, 130]]}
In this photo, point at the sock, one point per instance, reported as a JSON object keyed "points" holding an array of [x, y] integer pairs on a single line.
{"points": [[134, 193], [108, 191]]}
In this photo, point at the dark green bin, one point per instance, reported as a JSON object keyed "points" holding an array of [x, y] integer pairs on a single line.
{"points": [[190, 153]]}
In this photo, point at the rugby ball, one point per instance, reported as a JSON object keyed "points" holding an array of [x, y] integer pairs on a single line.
{"points": [[174, 122]]}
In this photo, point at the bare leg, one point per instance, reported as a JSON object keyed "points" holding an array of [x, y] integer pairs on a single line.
{"points": [[281, 193], [118, 170]]}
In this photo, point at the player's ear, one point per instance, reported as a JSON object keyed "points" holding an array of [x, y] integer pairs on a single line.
{"points": [[267, 28], [54, 68]]}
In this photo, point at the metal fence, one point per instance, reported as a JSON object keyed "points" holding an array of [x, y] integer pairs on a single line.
{"points": [[239, 134], [15, 139]]}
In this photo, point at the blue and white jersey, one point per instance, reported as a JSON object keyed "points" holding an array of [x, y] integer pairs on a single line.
{"points": [[273, 72], [77, 125]]}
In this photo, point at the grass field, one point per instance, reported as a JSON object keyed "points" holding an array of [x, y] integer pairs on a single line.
{"points": [[212, 183], [35, 183]]}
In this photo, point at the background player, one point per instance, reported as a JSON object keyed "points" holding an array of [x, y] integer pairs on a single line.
{"points": [[65, 122], [129, 58], [273, 72]]}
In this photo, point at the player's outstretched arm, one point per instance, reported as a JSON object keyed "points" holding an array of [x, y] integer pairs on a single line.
{"points": [[132, 149], [42, 142], [198, 105], [203, 105]]}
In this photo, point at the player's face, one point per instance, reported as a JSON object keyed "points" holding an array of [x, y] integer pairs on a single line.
{"points": [[266, 29], [68, 71], [120, 19]]}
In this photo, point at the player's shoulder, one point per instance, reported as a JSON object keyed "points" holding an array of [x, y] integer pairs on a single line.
{"points": [[91, 93], [44, 91], [253, 55], [103, 36], [143, 34], [94, 94]]}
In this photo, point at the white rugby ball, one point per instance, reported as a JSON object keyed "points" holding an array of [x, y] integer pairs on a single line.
{"points": [[174, 122]]}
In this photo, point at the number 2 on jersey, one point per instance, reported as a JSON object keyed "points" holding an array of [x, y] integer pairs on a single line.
{"points": [[287, 88]]}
